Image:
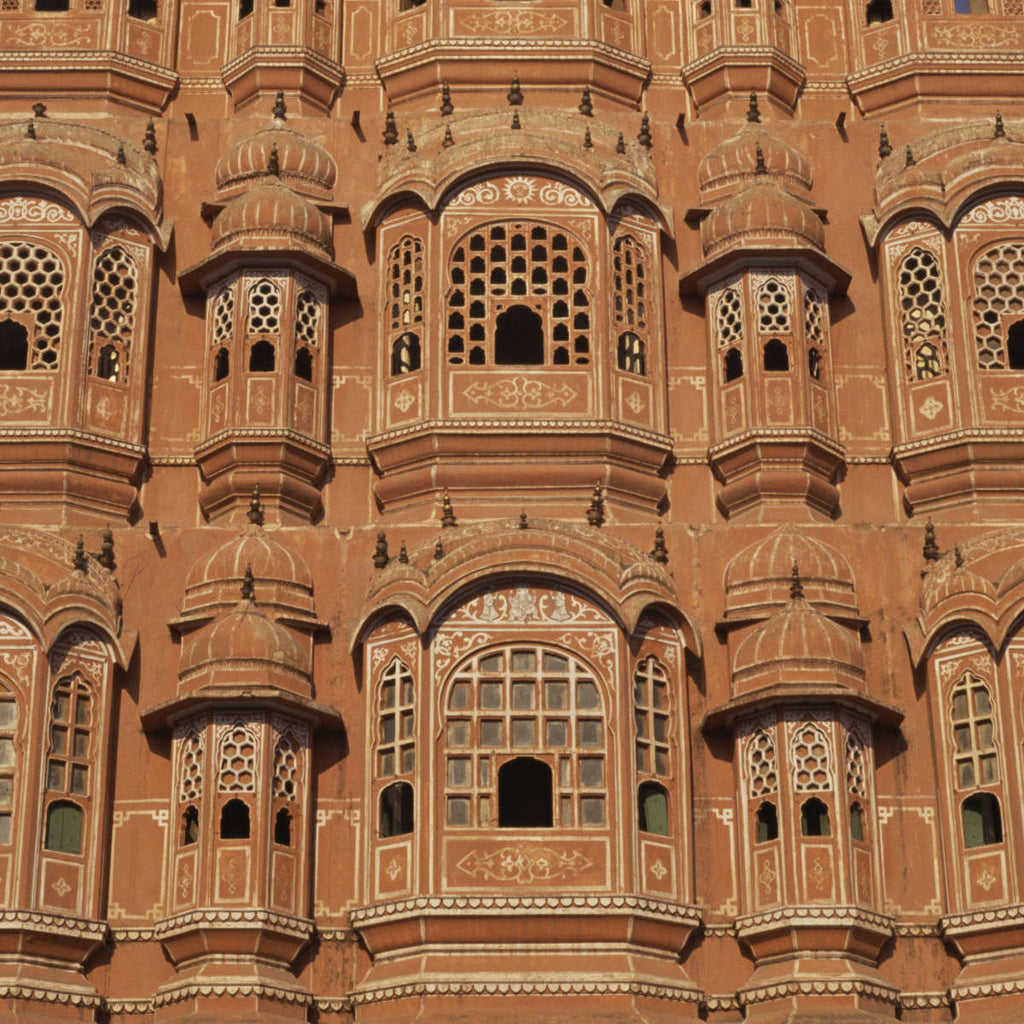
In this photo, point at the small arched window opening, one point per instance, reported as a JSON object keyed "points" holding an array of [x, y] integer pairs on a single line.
{"points": [[190, 826], [262, 357], [776, 356], [733, 365], [814, 364], [13, 346], [410, 5], [704, 9], [927, 363], [52, 5], [234, 820], [283, 828], [64, 827], [857, 823], [744, 5], [983, 821], [304, 364], [221, 364], [244, 9], [878, 12], [524, 794], [652, 808], [814, 820], [615, 5], [405, 354], [396, 812], [518, 338], [1015, 346], [144, 10], [631, 354], [767, 822], [108, 363]]}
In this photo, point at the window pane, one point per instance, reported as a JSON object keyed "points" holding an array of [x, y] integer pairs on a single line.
{"points": [[492, 733], [458, 733], [966, 770], [640, 717], [60, 707], [524, 732], [485, 810], [962, 734], [555, 663], [989, 769], [458, 810], [524, 661], [82, 711], [79, 778], [387, 729], [565, 773], [523, 695], [592, 810], [640, 691], [592, 771], [408, 759], [643, 759], [660, 696], [565, 810], [59, 739], [984, 735], [485, 771], [387, 763], [460, 696], [556, 695], [586, 695], [387, 695], [981, 702], [589, 732], [81, 745], [55, 775], [959, 706], [406, 691], [407, 724], [6, 789], [6, 751], [660, 728], [556, 733], [8, 714], [661, 762], [490, 695], [459, 771], [492, 663], [5, 829]]}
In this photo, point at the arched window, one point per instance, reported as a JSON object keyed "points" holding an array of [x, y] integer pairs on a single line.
{"points": [[544, 267], [631, 354], [304, 364], [108, 363], [767, 822], [396, 809], [1015, 345], [733, 364], [922, 314], [405, 303], [263, 315], [774, 314], [878, 12], [112, 314], [144, 10], [857, 822], [234, 820], [262, 357], [814, 818], [244, 8], [630, 303], [70, 748], [221, 364], [190, 826], [35, 284], [13, 345], [997, 276], [525, 701], [63, 827], [8, 764], [776, 356], [283, 827], [405, 354], [652, 808], [524, 794], [975, 754], [983, 822], [396, 722]]}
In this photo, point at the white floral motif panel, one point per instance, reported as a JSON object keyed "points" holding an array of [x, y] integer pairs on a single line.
{"points": [[1006, 210], [522, 190], [22, 211]]}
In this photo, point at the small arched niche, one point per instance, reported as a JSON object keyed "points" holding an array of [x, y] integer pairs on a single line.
{"points": [[234, 820], [396, 810], [518, 338], [524, 794], [814, 818]]}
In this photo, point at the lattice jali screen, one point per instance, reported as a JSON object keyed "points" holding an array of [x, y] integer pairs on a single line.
{"points": [[190, 766], [286, 768], [307, 319], [32, 280], [810, 759], [761, 765], [406, 284], [729, 318], [223, 317], [814, 319], [773, 308], [238, 749], [856, 766], [264, 312], [998, 295], [115, 285], [922, 314]]}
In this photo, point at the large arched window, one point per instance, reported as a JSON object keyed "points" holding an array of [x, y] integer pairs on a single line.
{"points": [[499, 273], [8, 765], [532, 704], [922, 312], [35, 281], [630, 304], [405, 285], [263, 326], [997, 306], [975, 754], [115, 287]]}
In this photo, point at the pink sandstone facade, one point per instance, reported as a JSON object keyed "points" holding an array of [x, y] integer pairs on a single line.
{"points": [[510, 510]]}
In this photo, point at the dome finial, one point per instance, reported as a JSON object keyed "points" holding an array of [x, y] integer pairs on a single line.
{"points": [[255, 512], [588, 142], [274, 162], [438, 550], [106, 558], [753, 114], [248, 585], [909, 161], [80, 562], [523, 523], [931, 548], [516, 124], [644, 135], [586, 107], [884, 146], [447, 107], [447, 141], [958, 557], [515, 93], [410, 142], [447, 511], [280, 111], [760, 167], [149, 138], [30, 130], [390, 128], [796, 587], [39, 110], [595, 513], [380, 552], [660, 551], [1000, 132], [403, 554], [121, 156], [620, 146]]}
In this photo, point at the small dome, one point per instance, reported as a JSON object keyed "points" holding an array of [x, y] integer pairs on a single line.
{"points": [[760, 576], [798, 645], [762, 213], [736, 160], [304, 165], [271, 212], [244, 647], [955, 582]]}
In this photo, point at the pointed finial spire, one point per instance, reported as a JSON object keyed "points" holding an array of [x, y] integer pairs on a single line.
{"points": [[438, 550], [884, 146], [910, 161], [760, 167], [80, 562], [380, 552], [410, 142], [796, 588], [39, 110], [753, 114], [447, 140], [644, 135], [620, 146], [274, 162], [515, 94], [931, 548], [149, 138], [516, 124], [280, 111], [403, 554], [523, 524], [1000, 132], [447, 512], [660, 553], [586, 107], [588, 142], [30, 131], [121, 158], [446, 100], [595, 513], [255, 513], [106, 558], [248, 585], [390, 128], [958, 557]]}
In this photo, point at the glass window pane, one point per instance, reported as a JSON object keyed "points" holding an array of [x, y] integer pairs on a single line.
{"points": [[6, 789], [555, 663], [485, 771], [640, 691], [8, 714], [592, 810], [387, 695], [387, 763], [586, 695], [6, 751], [660, 696], [82, 710], [408, 720], [5, 829], [408, 759], [59, 739], [981, 702], [458, 810], [458, 733], [984, 735], [966, 771], [55, 775], [485, 810], [406, 691], [643, 759], [565, 810], [60, 707], [460, 696], [661, 762], [524, 732], [640, 717], [490, 695], [79, 778], [81, 744], [460, 771], [556, 695], [492, 732], [592, 771], [660, 728], [589, 732], [556, 733], [492, 663], [523, 695], [524, 661], [989, 769], [565, 773], [959, 706], [962, 734]]}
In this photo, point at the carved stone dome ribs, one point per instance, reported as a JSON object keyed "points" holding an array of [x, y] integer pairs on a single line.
{"points": [[762, 214], [271, 214], [304, 165], [736, 160]]}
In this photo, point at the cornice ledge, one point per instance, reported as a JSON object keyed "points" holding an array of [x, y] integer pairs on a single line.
{"points": [[819, 987], [51, 993], [925, 1000], [75, 927], [955, 925], [178, 993], [768, 434], [522, 426], [814, 917], [232, 919]]}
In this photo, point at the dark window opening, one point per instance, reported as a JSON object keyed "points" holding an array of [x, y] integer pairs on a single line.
{"points": [[234, 820], [631, 353], [282, 3], [814, 819], [615, 5], [320, 7], [64, 827], [926, 362], [221, 364], [13, 346], [108, 363], [704, 9], [971, 6], [410, 5], [776, 356], [745, 4], [767, 822], [476, 356], [857, 823], [814, 364], [52, 5], [283, 828], [1015, 346], [304, 364], [733, 365], [262, 358], [190, 826], [983, 822], [405, 355], [244, 9], [144, 10], [879, 11], [518, 338], [524, 794], [396, 816], [652, 808]]}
